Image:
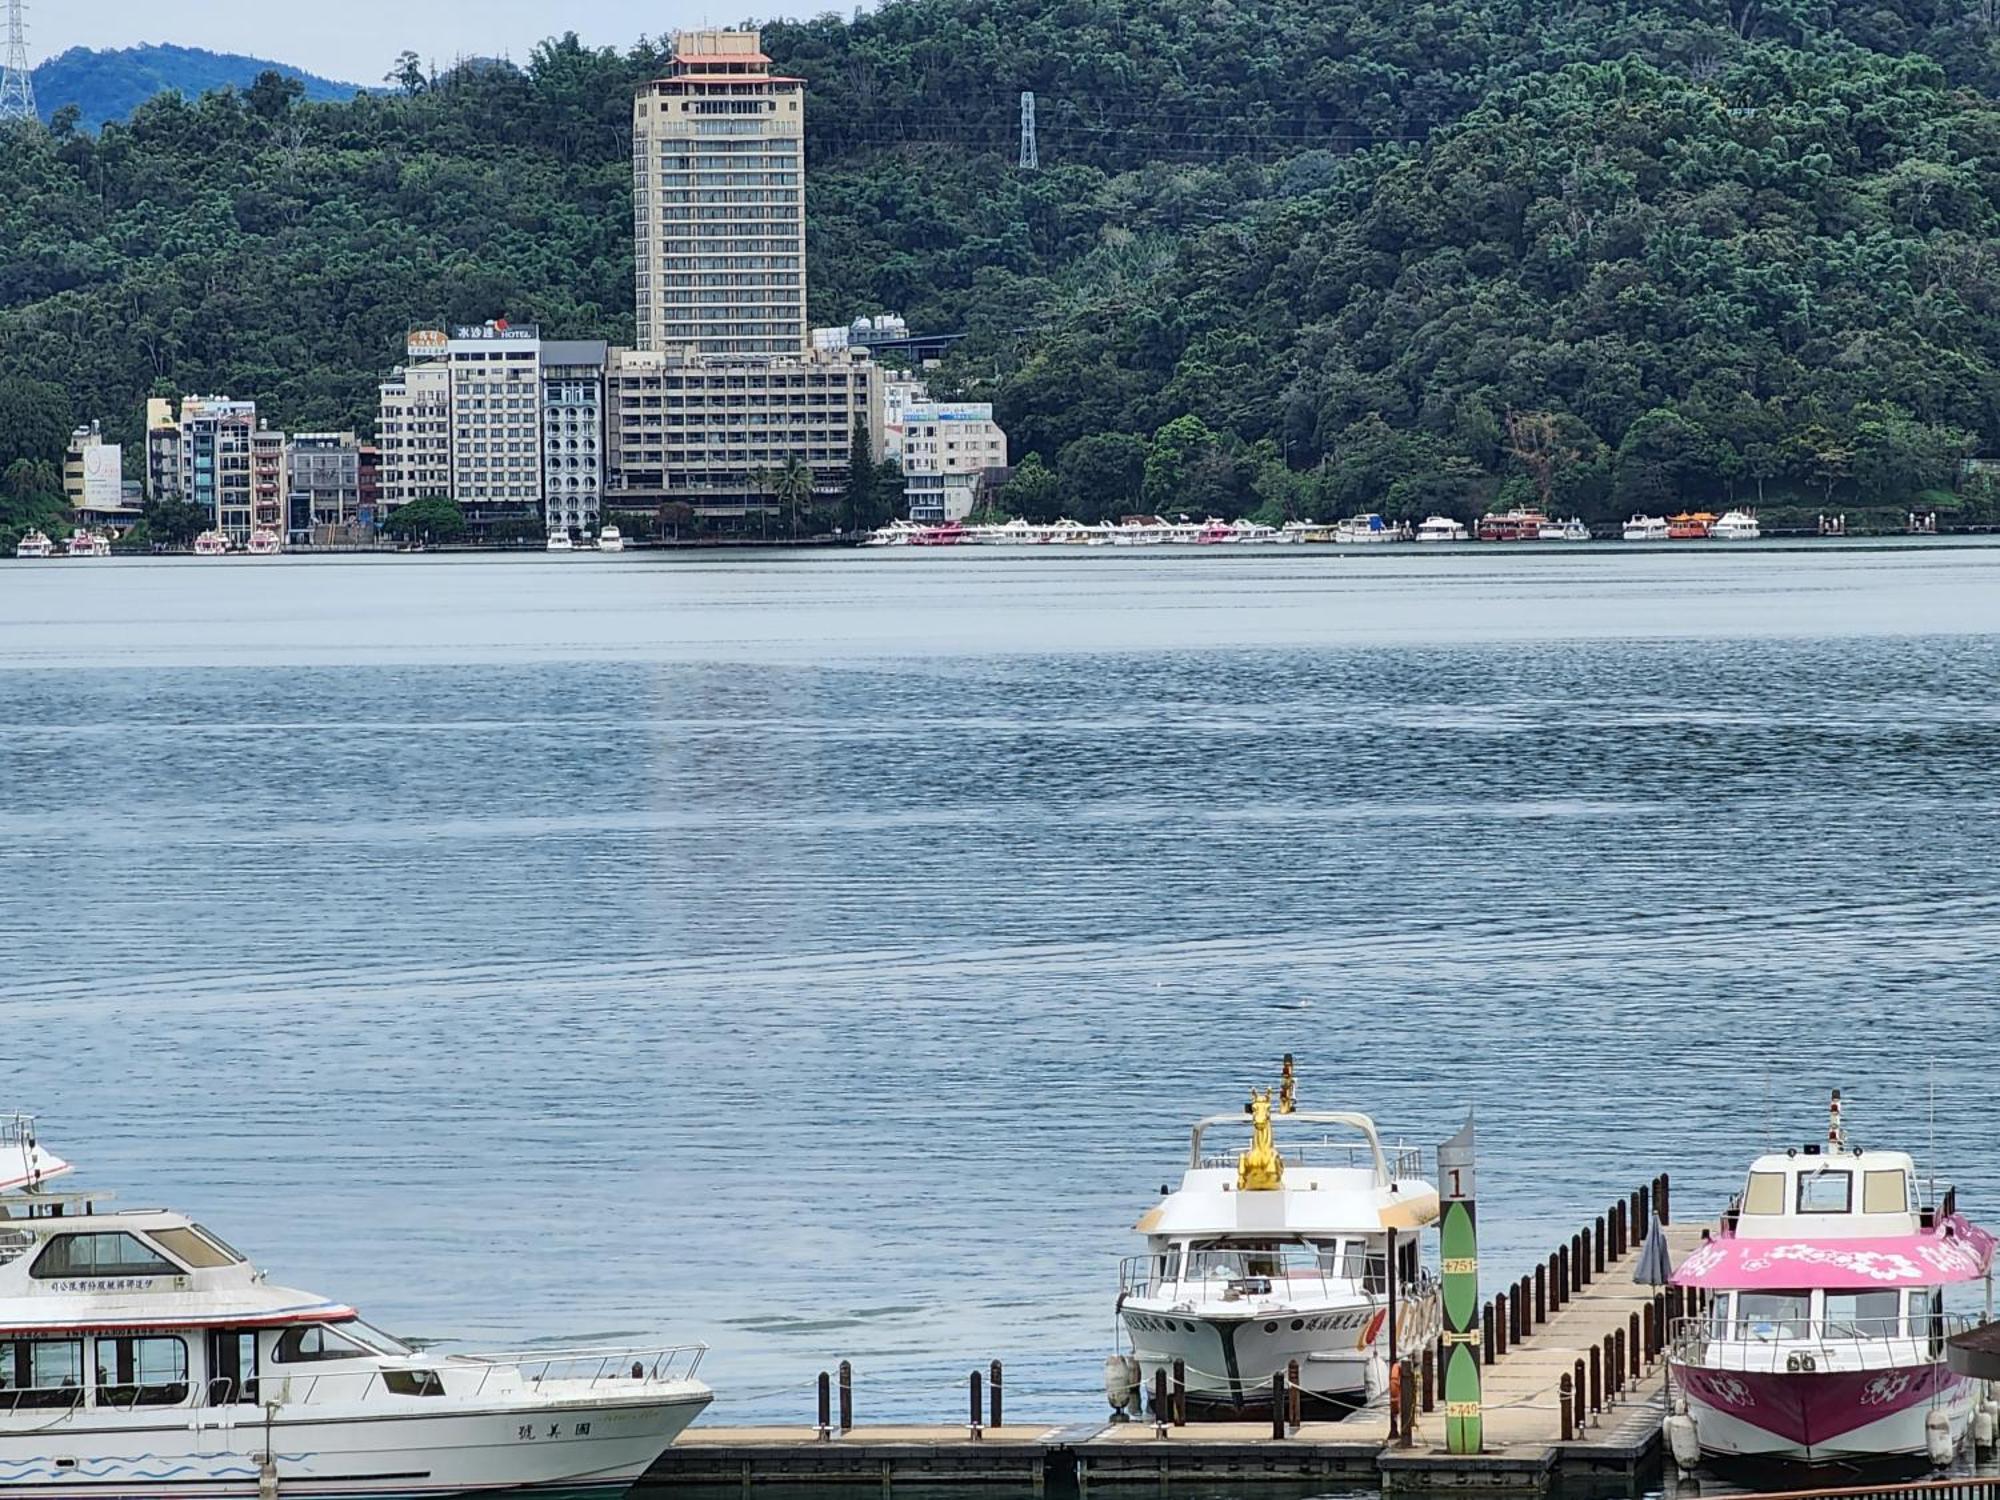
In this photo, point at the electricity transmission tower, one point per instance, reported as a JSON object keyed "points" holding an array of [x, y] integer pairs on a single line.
{"points": [[1030, 158], [17, 84]]}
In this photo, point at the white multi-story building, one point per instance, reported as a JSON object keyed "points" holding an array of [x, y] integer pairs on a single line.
{"points": [[946, 448], [323, 474], [899, 394], [714, 433], [414, 427], [214, 455], [719, 204], [496, 426], [573, 433]]}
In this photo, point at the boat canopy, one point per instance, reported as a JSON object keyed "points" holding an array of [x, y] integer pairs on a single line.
{"points": [[1956, 1251]]}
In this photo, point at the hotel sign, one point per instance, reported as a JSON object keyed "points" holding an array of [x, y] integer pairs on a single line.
{"points": [[428, 341]]}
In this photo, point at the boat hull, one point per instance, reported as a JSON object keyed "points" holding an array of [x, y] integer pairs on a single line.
{"points": [[1229, 1360], [1825, 1417], [554, 1447]]}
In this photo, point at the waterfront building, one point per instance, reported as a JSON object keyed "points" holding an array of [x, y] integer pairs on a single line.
{"points": [[413, 425], [572, 385], [496, 429], [213, 454], [713, 433], [94, 482], [946, 448], [269, 485], [323, 474], [370, 479], [718, 201], [899, 394]]}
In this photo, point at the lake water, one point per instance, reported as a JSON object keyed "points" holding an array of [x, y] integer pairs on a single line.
{"points": [[823, 955]]}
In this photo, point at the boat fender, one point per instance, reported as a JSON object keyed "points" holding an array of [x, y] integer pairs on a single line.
{"points": [[1683, 1441], [1982, 1428], [1121, 1380], [1937, 1436]]}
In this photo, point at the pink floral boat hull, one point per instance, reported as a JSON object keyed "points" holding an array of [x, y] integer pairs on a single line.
{"points": [[1824, 1417]]}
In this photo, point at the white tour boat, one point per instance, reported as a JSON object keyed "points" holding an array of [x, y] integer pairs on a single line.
{"points": [[1365, 530], [265, 543], [212, 544], [85, 543], [1442, 529], [140, 1355], [1736, 526], [559, 541], [1823, 1339], [1572, 530], [34, 545], [1275, 1255], [1646, 529], [611, 539]]}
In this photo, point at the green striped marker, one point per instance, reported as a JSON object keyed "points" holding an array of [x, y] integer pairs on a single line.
{"points": [[1464, 1423]]}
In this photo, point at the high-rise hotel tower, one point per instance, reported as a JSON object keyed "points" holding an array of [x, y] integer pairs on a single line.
{"points": [[719, 202]]}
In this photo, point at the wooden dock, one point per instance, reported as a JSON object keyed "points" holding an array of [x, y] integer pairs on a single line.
{"points": [[1525, 1448]]}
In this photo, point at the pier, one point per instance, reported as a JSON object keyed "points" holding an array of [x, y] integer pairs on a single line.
{"points": [[1574, 1377]]}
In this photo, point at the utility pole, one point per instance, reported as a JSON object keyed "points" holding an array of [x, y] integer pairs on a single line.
{"points": [[17, 84], [1030, 158]]}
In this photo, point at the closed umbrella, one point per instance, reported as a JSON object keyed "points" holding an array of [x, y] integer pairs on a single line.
{"points": [[1656, 1264]]}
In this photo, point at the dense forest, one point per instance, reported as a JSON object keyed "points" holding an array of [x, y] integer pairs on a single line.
{"points": [[1281, 256]]}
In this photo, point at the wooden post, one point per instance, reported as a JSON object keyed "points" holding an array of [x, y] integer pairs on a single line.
{"points": [[1503, 1310], [1409, 1405], [1160, 1402], [1565, 1404], [1578, 1386], [825, 1408], [1392, 1269], [1597, 1254], [1426, 1376], [1645, 1208], [1529, 1322], [846, 1396], [1486, 1335], [1579, 1258], [1541, 1295], [1293, 1398], [1618, 1359], [1596, 1380], [1660, 1201], [972, 1426], [993, 1407], [1180, 1393], [1563, 1289], [1632, 1346], [1277, 1405]]}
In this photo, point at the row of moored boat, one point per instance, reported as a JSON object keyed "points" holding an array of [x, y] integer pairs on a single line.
{"points": [[1365, 530]]}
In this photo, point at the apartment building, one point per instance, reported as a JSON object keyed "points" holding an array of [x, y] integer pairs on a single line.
{"points": [[573, 458], [323, 473], [946, 447], [413, 426]]}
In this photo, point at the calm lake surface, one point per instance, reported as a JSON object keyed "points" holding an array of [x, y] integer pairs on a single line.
{"points": [[823, 955]]}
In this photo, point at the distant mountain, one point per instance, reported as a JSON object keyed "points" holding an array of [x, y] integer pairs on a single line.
{"points": [[109, 85]]}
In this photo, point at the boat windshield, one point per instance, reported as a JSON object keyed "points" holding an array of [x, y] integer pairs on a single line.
{"points": [[376, 1339], [1773, 1315]]}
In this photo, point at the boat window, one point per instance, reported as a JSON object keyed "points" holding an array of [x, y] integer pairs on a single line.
{"points": [[41, 1373], [236, 1257], [1826, 1192], [100, 1255], [1769, 1316], [1765, 1193], [1718, 1316], [1885, 1192], [141, 1372], [311, 1342], [196, 1250], [1862, 1315], [376, 1339], [1926, 1314]]}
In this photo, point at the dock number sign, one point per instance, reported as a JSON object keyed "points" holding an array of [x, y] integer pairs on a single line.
{"points": [[1464, 1427]]}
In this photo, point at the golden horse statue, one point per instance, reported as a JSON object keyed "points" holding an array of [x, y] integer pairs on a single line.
{"points": [[1260, 1169]]}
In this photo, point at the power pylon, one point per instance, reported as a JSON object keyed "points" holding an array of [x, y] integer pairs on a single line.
{"points": [[1031, 158], [17, 84]]}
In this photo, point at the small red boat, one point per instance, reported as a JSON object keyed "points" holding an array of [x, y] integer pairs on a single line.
{"points": [[1512, 526]]}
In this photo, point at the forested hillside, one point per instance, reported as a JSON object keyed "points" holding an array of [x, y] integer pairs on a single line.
{"points": [[1281, 254]]}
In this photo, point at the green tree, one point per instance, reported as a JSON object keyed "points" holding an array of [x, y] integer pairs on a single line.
{"points": [[1176, 457], [792, 489], [860, 506], [432, 519], [1033, 492], [1103, 475], [175, 523], [1663, 460]]}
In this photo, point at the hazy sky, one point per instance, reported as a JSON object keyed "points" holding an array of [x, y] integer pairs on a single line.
{"points": [[356, 40]]}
